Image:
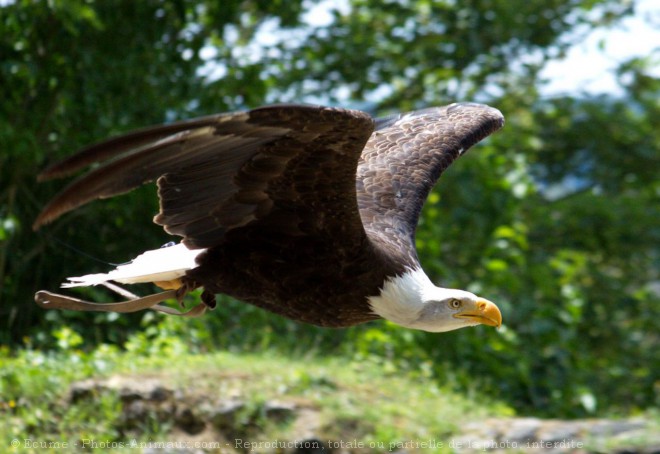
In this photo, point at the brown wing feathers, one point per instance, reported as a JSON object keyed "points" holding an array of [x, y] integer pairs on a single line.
{"points": [[406, 156], [282, 183], [116, 146], [213, 172], [220, 172], [141, 165]]}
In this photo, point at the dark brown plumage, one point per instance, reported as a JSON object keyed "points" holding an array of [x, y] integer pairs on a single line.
{"points": [[305, 211]]}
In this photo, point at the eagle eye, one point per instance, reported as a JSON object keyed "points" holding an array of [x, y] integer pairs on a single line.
{"points": [[455, 303]]}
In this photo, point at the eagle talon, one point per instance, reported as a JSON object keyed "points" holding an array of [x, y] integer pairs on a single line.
{"points": [[209, 300]]}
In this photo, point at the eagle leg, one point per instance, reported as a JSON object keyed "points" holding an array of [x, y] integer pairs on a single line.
{"points": [[49, 300]]}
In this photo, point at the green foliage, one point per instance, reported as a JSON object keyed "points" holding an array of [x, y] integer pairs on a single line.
{"points": [[35, 400], [554, 219], [33, 383]]}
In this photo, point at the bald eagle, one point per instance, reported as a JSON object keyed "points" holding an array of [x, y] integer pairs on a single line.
{"points": [[307, 211]]}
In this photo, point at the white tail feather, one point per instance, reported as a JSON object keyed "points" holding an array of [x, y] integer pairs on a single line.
{"points": [[164, 264]]}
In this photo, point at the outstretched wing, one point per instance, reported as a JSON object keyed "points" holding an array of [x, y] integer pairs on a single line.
{"points": [[405, 157], [225, 171]]}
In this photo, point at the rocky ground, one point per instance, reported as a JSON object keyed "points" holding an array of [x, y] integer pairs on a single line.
{"points": [[200, 423]]}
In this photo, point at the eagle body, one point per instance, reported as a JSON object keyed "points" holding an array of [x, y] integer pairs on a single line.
{"points": [[302, 279], [306, 211]]}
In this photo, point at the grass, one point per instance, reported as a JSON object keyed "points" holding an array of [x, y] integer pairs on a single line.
{"points": [[366, 403], [366, 400]]}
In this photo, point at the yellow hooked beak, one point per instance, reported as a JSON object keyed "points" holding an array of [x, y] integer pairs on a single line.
{"points": [[482, 311]]}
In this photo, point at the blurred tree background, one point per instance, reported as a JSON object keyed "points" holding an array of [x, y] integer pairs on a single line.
{"points": [[555, 218]]}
